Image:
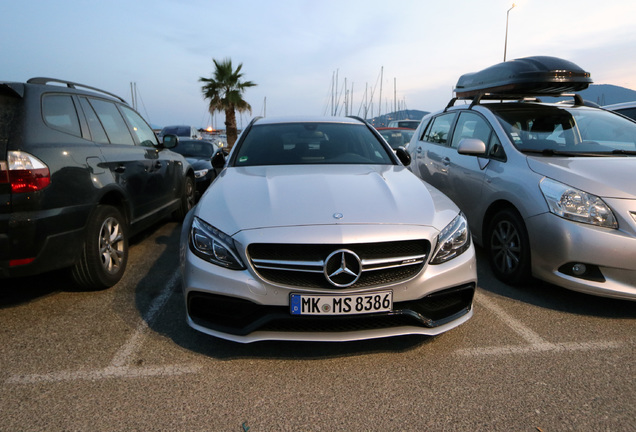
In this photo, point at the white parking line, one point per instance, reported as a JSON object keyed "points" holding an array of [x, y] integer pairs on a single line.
{"points": [[119, 367], [108, 372], [535, 343], [123, 355]]}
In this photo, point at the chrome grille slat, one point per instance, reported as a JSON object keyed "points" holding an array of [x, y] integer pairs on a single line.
{"points": [[381, 263]]}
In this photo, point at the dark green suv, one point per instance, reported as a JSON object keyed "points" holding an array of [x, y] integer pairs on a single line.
{"points": [[80, 172]]}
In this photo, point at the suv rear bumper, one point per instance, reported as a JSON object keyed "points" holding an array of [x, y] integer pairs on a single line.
{"points": [[52, 238]]}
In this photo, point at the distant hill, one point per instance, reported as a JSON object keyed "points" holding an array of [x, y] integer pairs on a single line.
{"points": [[601, 94], [607, 94], [383, 120]]}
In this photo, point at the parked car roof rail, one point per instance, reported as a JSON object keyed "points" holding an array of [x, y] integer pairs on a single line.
{"points": [[73, 85], [477, 98]]}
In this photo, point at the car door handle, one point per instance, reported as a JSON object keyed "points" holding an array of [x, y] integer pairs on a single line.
{"points": [[446, 161], [120, 169], [419, 149], [158, 164]]}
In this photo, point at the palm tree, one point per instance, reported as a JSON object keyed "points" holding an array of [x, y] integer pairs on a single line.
{"points": [[225, 92]]}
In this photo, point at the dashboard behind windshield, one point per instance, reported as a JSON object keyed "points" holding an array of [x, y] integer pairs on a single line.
{"points": [[542, 128]]}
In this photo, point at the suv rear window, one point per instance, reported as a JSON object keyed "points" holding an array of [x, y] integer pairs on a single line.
{"points": [[59, 113]]}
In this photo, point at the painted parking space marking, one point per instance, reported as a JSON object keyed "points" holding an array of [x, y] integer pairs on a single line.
{"points": [[106, 373], [534, 342], [120, 366]]}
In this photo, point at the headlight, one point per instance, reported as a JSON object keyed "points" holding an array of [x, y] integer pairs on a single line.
{"points": [[200, 173], [452, 241], [576, 205], [212, 245]]}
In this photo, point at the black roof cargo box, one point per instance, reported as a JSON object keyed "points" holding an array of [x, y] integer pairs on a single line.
{"points": [[528, 76]]}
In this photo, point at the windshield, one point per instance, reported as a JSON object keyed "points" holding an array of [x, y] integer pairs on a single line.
{"points": [[551, 129], [197, 149], [311, 143], [397, 137], [176, 130]]}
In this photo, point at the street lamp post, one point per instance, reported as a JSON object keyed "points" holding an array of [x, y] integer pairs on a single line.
{"points": [[506, 41]]}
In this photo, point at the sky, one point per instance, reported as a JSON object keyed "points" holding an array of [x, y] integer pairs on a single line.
{"points": [[413, 51]]}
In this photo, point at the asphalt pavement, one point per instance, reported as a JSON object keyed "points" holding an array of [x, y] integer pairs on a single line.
{"points": [[537, 358]]}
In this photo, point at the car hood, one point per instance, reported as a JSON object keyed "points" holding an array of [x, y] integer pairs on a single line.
{"points": [[296, 195], [609, 177], [198, 163]]}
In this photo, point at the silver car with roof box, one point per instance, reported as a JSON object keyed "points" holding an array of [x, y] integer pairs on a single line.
{"points": [[315, 230], [548, 189]]}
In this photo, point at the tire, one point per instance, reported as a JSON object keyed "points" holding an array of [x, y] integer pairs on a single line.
{"points": [[187, 200], [105, 252], [509, 248]]}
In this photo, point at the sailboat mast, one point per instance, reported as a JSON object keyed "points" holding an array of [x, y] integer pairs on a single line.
{"points": [[380, 98]]}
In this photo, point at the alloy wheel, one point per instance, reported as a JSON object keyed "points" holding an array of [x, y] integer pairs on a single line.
{"points": [[111, 245]]}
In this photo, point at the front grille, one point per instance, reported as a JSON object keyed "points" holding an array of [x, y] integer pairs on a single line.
{"points": [[242, 317], [303, 265]]}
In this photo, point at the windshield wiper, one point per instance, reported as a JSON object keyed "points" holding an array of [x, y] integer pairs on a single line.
{"points": [[552, 152], [624, 152]]}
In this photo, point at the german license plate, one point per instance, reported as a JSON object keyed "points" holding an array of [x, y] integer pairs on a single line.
{"points": [[313, 304]]}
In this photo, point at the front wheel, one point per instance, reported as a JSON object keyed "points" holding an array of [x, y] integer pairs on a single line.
{"points": [[509, 248], [105, 252]]}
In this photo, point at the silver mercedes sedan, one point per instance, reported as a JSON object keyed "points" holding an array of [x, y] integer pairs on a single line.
{"points": [[316, 231]]}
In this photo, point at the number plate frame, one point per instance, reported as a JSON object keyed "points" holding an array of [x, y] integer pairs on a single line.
{"points": [[340, 304]]}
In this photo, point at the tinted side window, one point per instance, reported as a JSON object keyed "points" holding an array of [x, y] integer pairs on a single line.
{"points": [[94, 125], [145, 135], [59, 113], [439, 129], [423, 128], [113, 122], [496, 149], [471, 125], [629, 112]]}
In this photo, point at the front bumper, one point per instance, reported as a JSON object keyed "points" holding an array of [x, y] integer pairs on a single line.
{"points": [[243, 320], [608, 254], [242, 307]]}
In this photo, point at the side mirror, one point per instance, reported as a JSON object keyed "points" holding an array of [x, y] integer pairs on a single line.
{"points": [[472, 147], [403, 156], [170, 141], [218, 160]]}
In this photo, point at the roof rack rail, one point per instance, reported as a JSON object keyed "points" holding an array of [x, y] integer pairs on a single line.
{"points": [[478, 97], [74, 85]]}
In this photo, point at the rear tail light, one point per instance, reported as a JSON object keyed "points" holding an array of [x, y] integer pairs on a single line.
{"points": [[24, 172]]}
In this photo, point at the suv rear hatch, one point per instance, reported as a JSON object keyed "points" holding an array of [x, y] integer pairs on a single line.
{"points": [[11, 106]]}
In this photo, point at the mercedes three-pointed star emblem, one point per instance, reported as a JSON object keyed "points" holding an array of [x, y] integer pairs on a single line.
{"points": [[342, 268]]}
